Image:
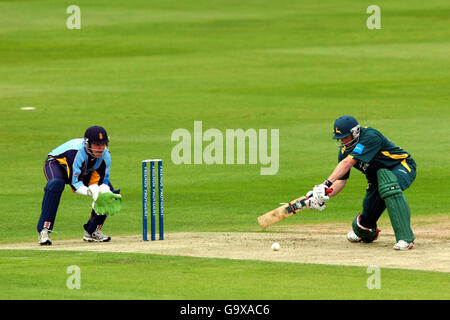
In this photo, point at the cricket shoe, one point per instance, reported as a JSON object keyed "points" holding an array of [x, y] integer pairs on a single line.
{"points": [[403, 245], [44, 238], [352, 237], [96, 236]]}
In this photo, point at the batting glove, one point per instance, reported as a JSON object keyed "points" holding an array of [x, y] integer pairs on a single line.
{"points": [[320, 193], [311, 203]]}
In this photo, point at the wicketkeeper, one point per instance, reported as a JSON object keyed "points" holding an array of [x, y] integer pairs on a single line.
{"points": [[83, 164], [389, 170]]}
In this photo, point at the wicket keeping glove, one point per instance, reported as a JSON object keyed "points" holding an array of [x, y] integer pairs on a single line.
{"points": [[95, 189], [108, 203]]}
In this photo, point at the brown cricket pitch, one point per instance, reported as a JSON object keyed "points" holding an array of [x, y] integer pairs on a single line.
{"points": [[308, 243]]}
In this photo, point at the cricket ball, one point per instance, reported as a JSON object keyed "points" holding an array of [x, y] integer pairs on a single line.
{"points": [[275, 246]]}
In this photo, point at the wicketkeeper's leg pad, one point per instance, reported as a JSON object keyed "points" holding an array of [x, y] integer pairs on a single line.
{"points": [[95, 222], [52, 196], [366, 234], [396, 204]]}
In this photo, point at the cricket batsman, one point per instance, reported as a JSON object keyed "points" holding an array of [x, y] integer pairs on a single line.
{"points": [[84, 164], [389, 170]]}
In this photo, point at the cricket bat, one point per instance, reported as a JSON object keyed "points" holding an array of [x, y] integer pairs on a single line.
{"points": [[285, 211]]}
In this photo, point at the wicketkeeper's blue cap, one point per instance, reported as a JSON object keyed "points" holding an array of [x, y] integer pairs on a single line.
{"points": [[96, 134]]}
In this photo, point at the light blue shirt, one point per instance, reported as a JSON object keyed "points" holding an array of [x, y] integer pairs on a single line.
{"points": [[77, 160]]}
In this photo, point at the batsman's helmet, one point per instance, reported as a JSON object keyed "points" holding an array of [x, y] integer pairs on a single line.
{"points": [[345, 126], [95, 134]]}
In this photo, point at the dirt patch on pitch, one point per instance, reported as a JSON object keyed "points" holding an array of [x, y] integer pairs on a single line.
{"points": [[318, 243]]}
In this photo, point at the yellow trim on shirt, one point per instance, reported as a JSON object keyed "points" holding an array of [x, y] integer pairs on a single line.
{"points": [[63, 162], [406, 165], [394, 156], [95, 178]]}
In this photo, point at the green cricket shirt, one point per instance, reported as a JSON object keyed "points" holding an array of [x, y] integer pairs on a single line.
{"points": [[373, 152]]}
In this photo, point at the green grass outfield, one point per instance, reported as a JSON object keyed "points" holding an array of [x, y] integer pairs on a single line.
{"points": [[143, 276], [143, 68]]}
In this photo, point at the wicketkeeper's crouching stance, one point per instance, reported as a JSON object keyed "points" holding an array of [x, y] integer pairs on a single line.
{"points": [[84, 164], [389, 171]]}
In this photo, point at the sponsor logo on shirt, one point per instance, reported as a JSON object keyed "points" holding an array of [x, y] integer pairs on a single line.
{"points": [[359, 148]]}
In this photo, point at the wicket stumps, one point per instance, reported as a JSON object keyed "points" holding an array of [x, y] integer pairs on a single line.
{"points": [[152, 199]]}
